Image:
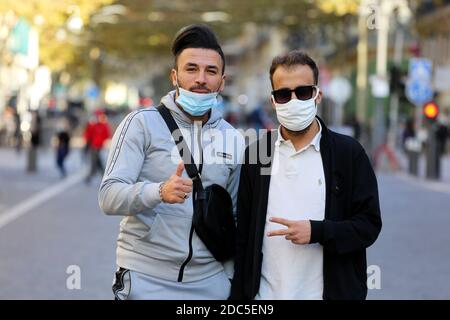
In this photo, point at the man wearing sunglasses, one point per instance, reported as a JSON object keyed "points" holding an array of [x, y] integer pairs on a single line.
{"points": [[308, 206]]}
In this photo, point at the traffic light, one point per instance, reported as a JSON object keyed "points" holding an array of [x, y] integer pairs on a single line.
{"points": [[431, 110], [433, 155]]}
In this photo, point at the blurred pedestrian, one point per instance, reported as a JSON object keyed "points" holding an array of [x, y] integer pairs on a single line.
{"points": [[2, 129], [9, 126], [87, 137], [304, 226], [409, 132], [96, 134], [18, 139], [12, 131], [146, 180], [258, 119], [442, 133], [354, 123], [35, 140], [63, 146], [441, 138]]}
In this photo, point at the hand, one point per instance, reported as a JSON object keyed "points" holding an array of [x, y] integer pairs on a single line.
{"points": [[298, 231], [176, 189]]}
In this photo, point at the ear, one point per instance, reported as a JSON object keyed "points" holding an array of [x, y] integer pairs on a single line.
{"points": [[319, 97], [222, 84], [173, 77], [272, 102]]}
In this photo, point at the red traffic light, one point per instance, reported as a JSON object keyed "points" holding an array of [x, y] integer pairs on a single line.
{"points": [[430, 110]]}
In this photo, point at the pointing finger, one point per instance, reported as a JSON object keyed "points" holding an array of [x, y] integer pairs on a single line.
{"points": [[282, 221]]}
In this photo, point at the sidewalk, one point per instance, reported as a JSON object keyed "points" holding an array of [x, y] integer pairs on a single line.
{"points": [[445, 167]]}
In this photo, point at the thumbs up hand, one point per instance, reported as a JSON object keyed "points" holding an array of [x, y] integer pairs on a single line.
{"points": [[177, 188], [180, 169]]}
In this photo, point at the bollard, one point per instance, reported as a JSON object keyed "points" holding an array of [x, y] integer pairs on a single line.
{"points": [[32, 159], [413, 148], [432, 156], [413, 157]]}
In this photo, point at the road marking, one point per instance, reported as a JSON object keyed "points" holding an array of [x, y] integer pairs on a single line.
{"points": [[17, 211], [436, 186]]}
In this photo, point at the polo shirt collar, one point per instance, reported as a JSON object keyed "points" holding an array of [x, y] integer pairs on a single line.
{"points": [[315, 142]]}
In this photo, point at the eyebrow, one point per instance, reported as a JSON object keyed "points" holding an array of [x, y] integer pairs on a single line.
{"points": [[191, 64]]}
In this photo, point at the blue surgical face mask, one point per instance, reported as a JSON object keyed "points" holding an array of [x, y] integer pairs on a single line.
{"points": [[196, 104]]}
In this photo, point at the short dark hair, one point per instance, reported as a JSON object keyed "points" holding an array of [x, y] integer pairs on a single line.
{"points": [[293, 58], [196, 36]]}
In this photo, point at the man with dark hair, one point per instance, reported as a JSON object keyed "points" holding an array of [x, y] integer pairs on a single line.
{"points": [[196, 36], [304, 226], [159, 254]]}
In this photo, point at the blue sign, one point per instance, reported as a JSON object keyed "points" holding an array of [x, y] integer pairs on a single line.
{"points": [[418, 88], [420, 68], [92, 92], [419, 91]]}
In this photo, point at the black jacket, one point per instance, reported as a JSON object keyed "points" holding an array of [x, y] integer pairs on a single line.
{"points": [[352, 216]]}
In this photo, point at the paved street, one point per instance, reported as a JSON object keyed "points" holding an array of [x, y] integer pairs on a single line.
{"points": [[69, 229], [413, 250], [52, 224]]}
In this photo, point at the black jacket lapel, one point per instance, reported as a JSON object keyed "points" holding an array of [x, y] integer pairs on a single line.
{"points": [[266, 147], [326, 154]]}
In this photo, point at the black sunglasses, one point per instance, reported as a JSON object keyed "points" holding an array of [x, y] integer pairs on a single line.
{"points": [[302, 93]]}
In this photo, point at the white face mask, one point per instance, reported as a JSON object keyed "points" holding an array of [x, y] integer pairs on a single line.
{"points": [[296, 115]]}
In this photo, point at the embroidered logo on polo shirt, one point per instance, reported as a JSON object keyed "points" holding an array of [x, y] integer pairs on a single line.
{"points": [[224, 155]]}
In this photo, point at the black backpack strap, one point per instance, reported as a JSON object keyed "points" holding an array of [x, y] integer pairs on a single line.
{"points": [[182, 147]]}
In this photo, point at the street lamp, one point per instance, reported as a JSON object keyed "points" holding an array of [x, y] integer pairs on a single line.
{"points": [[385, 8], [403, 18]]}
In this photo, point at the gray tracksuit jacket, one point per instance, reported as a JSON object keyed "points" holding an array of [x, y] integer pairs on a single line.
{"points": [[155, 238]]}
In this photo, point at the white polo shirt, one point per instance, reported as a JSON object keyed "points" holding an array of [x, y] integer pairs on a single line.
{"points": [[297, 192]]}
